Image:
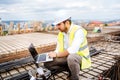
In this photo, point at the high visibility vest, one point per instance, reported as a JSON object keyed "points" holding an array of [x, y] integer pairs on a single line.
{"points": [[83, 50]]}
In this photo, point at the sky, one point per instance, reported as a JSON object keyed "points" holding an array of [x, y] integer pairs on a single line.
{"points": [[49, 9]]}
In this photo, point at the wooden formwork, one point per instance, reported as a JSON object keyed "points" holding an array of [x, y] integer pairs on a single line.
{"points": [[25, 53], [16, 46]]}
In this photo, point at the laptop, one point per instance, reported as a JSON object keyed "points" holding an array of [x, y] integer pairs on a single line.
{"points": [[44, 57]]}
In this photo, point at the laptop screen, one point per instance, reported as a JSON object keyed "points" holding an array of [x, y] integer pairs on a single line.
{"points": [[33, 51], [39, 57]]}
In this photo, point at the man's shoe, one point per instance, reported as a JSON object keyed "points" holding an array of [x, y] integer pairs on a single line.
{"points": [[40, 71]]}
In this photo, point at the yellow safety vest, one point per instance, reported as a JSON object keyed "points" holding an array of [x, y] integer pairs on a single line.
{"points": [[83, 50]]}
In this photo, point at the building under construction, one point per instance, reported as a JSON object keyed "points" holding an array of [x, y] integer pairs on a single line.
{"points": [[16, 61]]}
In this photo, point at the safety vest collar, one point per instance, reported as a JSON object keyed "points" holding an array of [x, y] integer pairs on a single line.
{"points": [[72, 25]]}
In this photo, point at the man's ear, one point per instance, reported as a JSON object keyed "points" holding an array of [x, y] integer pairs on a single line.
{"points": [[67, 22]]}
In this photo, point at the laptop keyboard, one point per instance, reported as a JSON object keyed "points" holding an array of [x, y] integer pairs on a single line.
{"points": [[42, 57]]}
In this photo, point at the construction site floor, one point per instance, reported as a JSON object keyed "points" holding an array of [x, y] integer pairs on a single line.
{"points": [[100, 62], [16, 46]]}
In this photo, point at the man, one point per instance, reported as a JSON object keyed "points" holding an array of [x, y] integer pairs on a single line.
{"points": [[72, 49]]}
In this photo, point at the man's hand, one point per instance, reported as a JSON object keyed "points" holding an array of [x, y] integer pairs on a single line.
{"points": [[60, 54], [52, 54]]}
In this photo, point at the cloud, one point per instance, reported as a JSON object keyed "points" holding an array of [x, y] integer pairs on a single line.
{"points": [[42, 9], [2, 2]]}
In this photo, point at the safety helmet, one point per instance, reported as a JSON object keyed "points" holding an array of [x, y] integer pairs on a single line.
{"points": [[60, 19]]}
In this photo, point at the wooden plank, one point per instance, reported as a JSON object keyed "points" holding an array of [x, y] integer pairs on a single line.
{"points": [[13, 56], [24, 52]]}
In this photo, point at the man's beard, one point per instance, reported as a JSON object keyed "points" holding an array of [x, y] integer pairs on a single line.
{"points": [[65, 30]]}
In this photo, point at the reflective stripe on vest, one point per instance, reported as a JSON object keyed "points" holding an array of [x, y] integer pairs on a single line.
{"points": [[82, 48], [88, 56]]}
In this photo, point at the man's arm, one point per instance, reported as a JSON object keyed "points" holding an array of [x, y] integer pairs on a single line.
{"points": [[60, 54], [77, 41], [63, 54]]}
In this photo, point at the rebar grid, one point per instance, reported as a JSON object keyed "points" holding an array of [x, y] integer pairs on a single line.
{"points": [[100, 62]]}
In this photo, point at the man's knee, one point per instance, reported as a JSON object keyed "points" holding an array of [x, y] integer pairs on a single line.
{"points": [[70, 58], [73, 58]]}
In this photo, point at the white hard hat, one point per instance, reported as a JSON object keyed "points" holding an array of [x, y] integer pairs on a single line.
{"points": [[61, 19]]}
